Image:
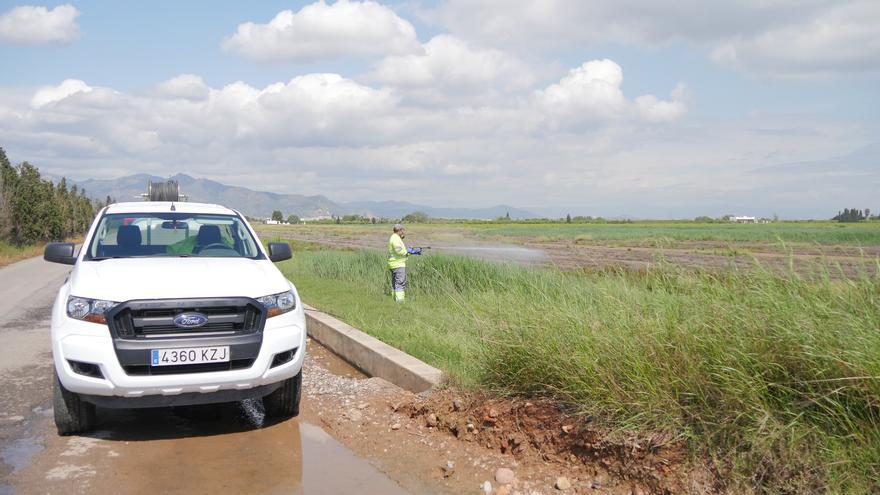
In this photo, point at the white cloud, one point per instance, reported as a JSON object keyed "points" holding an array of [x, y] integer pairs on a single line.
{"points": [[323, 109], [32, 25], [328, 134], [185, 120], [327, 110], [649, 107], [321, 31], [593, 89], [310, 109], [539, 23], [592, 93], [470, 169], [52, 94], [842, 39], [776, 37], [184, 86], [447, 63]]}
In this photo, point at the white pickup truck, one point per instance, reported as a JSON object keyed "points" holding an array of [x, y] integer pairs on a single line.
{"points": [[173, 303]]}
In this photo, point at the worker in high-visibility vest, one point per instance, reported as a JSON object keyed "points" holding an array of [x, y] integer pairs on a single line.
{"points": [[397, 254]]}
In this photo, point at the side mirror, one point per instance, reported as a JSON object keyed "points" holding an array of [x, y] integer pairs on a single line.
{"points": [[60, 252], [279, 251]]}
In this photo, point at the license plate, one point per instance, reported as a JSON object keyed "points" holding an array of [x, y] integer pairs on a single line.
{"points": [[189, 355]]}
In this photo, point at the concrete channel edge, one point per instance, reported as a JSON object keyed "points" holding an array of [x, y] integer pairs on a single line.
{"points": [[369, 354]]}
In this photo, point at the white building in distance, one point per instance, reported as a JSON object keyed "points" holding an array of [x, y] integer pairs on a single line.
{"points": [[744, 219]]}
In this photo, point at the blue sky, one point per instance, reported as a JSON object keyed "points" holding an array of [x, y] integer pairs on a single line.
{"points": [[642, 108]]}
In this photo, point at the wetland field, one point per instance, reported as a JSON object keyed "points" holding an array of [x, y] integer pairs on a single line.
{"points": [[756, 346]]}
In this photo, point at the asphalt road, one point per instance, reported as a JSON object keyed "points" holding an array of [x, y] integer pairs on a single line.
{"points": [[27, 289], [208, 449]]}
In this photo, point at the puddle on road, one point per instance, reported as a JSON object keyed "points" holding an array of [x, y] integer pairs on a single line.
{"points": [[203, 450], [19, 454], [329, 467], [223, 448], [234, 444]]}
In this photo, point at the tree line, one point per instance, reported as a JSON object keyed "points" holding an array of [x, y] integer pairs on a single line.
{"points": [[852, 215], [36, 210], [279, 217]]}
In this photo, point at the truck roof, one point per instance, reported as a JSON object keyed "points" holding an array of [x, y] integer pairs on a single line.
{"points": [[165, 206]]}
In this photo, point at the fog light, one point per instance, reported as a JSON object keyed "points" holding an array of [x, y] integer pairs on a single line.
{"points": [[282, 357], [86, 369]]}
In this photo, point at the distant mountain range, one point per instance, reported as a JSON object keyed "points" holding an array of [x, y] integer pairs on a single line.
{"points": [[262, 204]]}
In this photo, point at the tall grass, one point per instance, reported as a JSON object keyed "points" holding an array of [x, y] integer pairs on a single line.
{"points": [[775, 377]]}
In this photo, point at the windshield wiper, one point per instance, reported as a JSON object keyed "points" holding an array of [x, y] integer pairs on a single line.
{"points": [[102, 258]]}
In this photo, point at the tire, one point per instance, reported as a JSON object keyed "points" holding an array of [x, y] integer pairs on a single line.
{"points": [[72, 414], [284, 401]]}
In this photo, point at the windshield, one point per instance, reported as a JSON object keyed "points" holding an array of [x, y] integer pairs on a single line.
{"points": [[141, 235]]}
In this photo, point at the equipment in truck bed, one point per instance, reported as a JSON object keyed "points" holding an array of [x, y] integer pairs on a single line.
{"points": [[164, 191]]}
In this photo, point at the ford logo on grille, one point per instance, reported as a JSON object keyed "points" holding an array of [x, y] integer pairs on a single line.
{"points": [[190, 320]]}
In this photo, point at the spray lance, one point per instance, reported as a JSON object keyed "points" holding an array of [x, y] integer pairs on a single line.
{"points": [[417, 250]]}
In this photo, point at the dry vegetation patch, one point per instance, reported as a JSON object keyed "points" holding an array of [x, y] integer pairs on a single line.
{"points": [[11, 254]]}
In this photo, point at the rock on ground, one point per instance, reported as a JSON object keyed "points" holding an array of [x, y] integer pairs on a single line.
{"points": [[505, 476], [562, 483]]}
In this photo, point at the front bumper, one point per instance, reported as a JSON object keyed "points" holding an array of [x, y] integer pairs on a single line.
{"points": [[84, 342], [184, 399]]}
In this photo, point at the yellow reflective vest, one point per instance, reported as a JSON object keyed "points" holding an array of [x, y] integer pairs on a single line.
{"points": [[396, 252]]}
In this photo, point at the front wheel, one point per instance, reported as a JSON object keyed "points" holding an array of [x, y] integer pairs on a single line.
{"points": [[72, 414], [284, 401]]}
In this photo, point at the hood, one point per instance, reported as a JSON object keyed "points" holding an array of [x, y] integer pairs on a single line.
{"points": [[125, 279]]}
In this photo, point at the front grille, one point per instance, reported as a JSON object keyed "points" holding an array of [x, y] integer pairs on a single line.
{"points": [[171, 329], [138, 327], [135, 320], [143, 370]]}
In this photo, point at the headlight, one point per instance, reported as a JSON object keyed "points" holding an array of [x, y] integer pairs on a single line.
{"points": [[88, 309], [277, 304]]}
